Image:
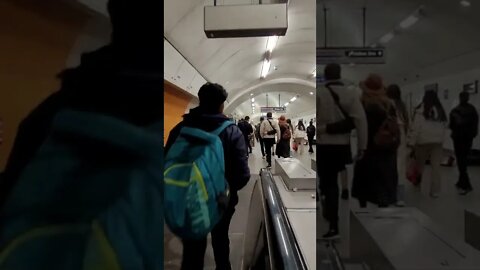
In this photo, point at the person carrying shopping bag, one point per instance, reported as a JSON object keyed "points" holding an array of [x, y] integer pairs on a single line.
{"points": [[427, 136]]}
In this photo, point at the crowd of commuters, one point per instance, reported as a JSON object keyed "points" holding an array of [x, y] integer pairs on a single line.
{"points": [[386, 138]]}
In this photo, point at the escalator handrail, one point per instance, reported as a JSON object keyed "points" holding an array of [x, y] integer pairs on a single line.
{"points": [[288, 248]]}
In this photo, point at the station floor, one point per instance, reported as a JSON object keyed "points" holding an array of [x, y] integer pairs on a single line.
{"points": [[447, 210], [173, 246]]}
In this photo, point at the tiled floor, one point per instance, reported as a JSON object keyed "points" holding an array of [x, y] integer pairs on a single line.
{"points": [[173, 247]]}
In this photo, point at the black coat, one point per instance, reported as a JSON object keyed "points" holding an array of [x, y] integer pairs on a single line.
{"points": [[375, 176], [464, 122], [103, 84]]}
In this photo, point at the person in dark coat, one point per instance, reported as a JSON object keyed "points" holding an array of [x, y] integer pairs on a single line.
{"points": [[247, 131], [375, 176], [464, 126], [283, 145], [209, 116], [311, 131], [122, 79]]}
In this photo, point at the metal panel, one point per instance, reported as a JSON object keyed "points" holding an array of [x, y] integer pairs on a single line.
{"points": [[304, 227], [295, 200], [405, 238], [472, 228], [295, 175], [245, 20]]}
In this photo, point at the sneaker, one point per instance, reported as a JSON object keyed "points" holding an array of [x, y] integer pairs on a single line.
{"points": [[464, 192], [331, 235], [400, 204], [345, 194]]}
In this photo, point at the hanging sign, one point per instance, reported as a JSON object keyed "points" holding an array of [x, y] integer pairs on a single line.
{"points": [[273, 109], [350, 55]]}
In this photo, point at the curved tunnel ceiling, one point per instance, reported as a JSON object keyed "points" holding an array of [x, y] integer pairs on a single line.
{"points": [[445, 39], [236, 63]]}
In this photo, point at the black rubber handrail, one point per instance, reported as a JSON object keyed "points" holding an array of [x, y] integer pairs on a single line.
{"points": [[288, 248]]}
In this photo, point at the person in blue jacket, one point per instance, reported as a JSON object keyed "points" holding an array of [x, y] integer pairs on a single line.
{"points": [[208, 116]]}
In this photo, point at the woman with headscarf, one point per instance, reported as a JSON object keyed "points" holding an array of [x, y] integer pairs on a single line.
{"points": [[394, 93], [283, 144], [375, 176]]}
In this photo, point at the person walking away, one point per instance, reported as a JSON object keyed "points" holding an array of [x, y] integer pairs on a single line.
{"points": [[208, 116], [300, 134], [283, 142], [394, 93], [88, 146], [310, 135], [269, 129], [464, 126], [427, 136], [375, 177], [259, 137], [339, 111], [247, 130]]}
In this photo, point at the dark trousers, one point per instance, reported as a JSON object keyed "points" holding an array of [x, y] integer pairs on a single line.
{"points": [[331, 160], [462, 149], [310, 144], [247, 143], [262, 146], [269, 142], [194, 250]]}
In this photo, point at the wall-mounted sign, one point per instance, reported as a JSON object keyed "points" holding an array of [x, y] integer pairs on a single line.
{"points": [[431, 87], [350, 55], [273, 109], [471, 88]]}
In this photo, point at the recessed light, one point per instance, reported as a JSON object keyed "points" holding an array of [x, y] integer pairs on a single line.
{"points": [[251, 94], [293, 99], [311, 93], [253, 100], [465, 3]]}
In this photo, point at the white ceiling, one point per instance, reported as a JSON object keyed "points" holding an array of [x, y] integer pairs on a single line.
{"points": [[445, 41], [236, 62]]}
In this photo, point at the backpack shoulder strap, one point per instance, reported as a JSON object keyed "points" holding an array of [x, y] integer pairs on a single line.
{"points": [[223, 126]]}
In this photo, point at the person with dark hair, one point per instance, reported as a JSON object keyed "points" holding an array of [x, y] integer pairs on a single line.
{"points": [[464, 126], [394, 93], [247, 131], [310, 135], [375, 177], [299, 136], [259, 137], [269, 130], [427, 135], [209, 116], [339, 111], [97, 139]]}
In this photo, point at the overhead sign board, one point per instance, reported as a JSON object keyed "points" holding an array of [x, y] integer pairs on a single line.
{"points": [[350, 55], [273, 109], [471, 88]]}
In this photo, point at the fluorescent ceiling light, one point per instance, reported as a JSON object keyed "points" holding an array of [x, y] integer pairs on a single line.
{"points": [[293, 99], [465, 3], [408, 22], [253, 100], [271, 43], [286, 104], [251, 94], [386, 38], [265, 68], [314, 73], [253, 104], [311, 93]]}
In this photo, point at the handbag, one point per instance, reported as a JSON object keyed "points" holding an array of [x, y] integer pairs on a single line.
{"points": [[414, 175], [343, 126], [273, 131]]}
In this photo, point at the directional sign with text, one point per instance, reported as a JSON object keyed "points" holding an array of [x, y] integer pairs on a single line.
{"points": [[273, 109], [350, 56]]}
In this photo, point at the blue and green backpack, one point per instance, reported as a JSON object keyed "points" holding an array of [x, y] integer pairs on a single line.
{"points": [[196, 191], [90, 199]]}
